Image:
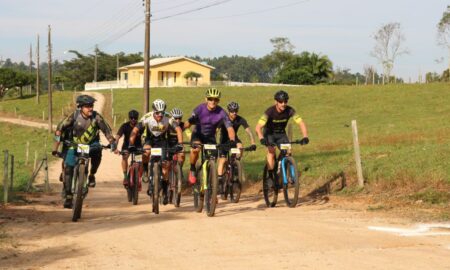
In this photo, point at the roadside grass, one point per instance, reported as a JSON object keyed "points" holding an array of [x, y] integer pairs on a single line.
{"points": [[13, 139], [27, 108], [403, 129]]}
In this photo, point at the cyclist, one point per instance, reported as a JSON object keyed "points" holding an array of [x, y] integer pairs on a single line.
{"points": [[125, 130], [207, 117], [85, 124], [236, 121], [156, 126], [274, 121], [177, 116]]}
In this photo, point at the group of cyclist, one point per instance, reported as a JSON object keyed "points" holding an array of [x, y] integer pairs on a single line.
{"points": [[159, 128]]}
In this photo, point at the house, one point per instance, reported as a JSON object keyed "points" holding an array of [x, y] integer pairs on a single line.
{"points": [[167, 71]]}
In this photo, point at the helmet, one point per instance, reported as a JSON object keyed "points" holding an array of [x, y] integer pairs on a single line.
{"points": [[84, 100], [212, 93], [176, 113], [233, 106], [133, 114], [281, 96], [159, 105]]}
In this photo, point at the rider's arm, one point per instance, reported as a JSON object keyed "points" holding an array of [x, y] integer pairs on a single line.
{"points": [[259, 126], [250, 134], [64, 124], [134, 134], [105, 128], [299, 121], [178, 129], [227, 123], [119, 133]]}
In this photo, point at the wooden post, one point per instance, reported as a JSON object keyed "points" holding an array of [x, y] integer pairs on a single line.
{"points": [[5, 178], [43, 115], [114, 125], [357, 154], [47, 184], [50, 102], [35, 159], [27, 153], [12, 174]]}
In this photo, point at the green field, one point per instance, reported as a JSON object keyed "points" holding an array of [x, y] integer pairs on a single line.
{"points": [[13, 139], [403, 129], [27, 107]]}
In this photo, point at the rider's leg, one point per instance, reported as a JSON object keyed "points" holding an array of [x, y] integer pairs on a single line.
{"points": [[193, 157], [96, 159], [125, 168], [165, 182], [240, 146], [69, 164], [220, 172], [146, 157]]}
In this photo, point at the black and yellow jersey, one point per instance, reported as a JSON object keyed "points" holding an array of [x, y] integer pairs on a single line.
{"points": [[276, 122]]}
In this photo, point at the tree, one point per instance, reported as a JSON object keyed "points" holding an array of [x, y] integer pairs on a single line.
{"points": [[283, 51], [10, 78], [192, 75], [388, 46], [444, 32], [306, 68]]}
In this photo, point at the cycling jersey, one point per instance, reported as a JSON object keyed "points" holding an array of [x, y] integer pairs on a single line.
{"points": [[236, 124], [206, 122], [125, 131], [85, 130], [172, 136], [154, 128], [275, 122]]}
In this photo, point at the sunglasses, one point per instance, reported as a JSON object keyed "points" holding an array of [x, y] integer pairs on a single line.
{"points": [[177, 118], [213, 99], [89, 105], [233, 112], [282, 101], [159, 113], [133, 118]]}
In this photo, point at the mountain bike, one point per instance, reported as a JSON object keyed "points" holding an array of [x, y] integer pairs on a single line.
{"points": [[233, 174], [79, 183], [287, 177], [134, 175], [206, 187], [175, 179], [157, 156]]}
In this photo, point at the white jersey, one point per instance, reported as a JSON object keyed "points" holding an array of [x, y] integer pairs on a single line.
{"points": [[157, 128]]}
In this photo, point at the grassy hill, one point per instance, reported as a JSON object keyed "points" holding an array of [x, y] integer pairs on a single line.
{"points": [[403, 130]]}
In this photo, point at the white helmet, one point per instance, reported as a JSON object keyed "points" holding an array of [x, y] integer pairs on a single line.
{"points": [[176, 113], [159, 105]]}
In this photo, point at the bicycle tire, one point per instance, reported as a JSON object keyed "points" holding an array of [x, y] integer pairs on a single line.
{"points": [[80, 178], [199, 196], [236, 179], [270, 191], [155, 194], [211, 192], [135, 189], [226, 182], [293, 186], [177, 190]]}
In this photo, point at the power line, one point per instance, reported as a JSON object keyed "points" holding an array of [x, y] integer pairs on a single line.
{"points": [[177, 6], [191, 10]]}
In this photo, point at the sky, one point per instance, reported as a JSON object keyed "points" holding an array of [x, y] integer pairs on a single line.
{"points": [[341, 29]]}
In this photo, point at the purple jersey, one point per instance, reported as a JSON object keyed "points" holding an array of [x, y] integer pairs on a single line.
{"points": [[206, 122]]}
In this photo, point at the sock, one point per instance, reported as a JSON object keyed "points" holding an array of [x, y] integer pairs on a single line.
{"points": [[125, 175]]}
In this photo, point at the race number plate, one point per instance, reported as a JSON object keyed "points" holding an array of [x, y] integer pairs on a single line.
{"points": [[156, 152], [210, 146], [285, 146], [235, 151], [138, 158], [83, 148]]}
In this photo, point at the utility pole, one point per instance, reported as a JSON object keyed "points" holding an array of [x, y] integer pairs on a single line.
{"points": [[50, 127], [37, 71], [31, 57], [95, 64], [147, 58], [117, 64]]}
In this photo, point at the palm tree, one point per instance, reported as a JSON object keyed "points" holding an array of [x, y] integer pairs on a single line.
{"points": [[192, 75]]}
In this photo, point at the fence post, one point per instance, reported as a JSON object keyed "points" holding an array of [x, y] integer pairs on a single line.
{"points": [[43, 115], [35, 159], [27, 152], [12, 174], [5, 178], [357, 154]]}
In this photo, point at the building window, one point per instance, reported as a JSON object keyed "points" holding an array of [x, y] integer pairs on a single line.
{"points": [[125, 76], [174, 77]]}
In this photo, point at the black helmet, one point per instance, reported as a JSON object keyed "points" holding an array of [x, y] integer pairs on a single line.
{"points": [[233, 106], [85, 100], [133, 114], [281, 96]]}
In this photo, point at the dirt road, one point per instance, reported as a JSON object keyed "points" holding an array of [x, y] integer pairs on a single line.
{"points": [[113, 234]]}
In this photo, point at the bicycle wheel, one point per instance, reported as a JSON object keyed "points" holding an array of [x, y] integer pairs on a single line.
{"points": [[177, 187], [79, 182], [227, 182], [211, 192], [235, 184], [197, 191], [292, 187], [135, 189], [155, 182], [270, 190]]}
